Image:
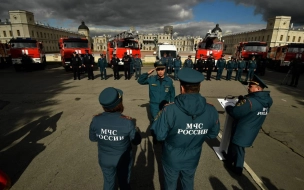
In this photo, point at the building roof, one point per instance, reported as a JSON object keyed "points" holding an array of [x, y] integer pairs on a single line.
{"points": [[83, 26]]}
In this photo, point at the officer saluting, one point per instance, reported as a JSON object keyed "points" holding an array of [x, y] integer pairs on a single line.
{"points": [[114, 134], [183, 126], [249, 113]]}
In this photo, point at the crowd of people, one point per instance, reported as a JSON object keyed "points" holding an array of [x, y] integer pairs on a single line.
{"points": [[181, 123]]}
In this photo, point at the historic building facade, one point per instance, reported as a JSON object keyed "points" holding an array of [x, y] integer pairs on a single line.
{"points": [[279, 31], [22, 24]]}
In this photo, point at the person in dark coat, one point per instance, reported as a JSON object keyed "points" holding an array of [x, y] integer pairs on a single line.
{"points": [[137, 66], [88, 61], [229, 67], [200, 64], [75, 65], [183, 127], [251, 68], [210, 64], [221, 63], [114, 64], [114, 133], [127, 63], [249, 114], [296, 68], [170, 64], [102, 64]]}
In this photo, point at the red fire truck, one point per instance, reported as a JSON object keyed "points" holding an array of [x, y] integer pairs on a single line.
{"points": [[30, 47], [5, 56], [126, 41], [282, 55], [72, 44], [252, 48], [210, 45]]}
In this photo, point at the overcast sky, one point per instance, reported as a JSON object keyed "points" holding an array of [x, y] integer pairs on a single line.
{"points": [[188, 17]]}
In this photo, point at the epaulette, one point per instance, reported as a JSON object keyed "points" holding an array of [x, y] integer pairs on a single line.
{"points": [[126, 117]]}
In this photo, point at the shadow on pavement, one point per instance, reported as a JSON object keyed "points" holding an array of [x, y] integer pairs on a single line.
{"points": [[16, 158]]}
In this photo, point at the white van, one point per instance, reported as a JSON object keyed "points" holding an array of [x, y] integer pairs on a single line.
{"points": [[167, 48]]}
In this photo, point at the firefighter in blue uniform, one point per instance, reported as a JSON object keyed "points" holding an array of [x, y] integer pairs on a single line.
{"points": [[177, 65], [183, 126], [137, 66], [75, 65], [249, 113], [188, 63], [241, 65], [161, 88], [200, 64], [221, 63], [114, 134], [251, 68], [229, 67], [102, 64], [165, 61], [115, 65]]}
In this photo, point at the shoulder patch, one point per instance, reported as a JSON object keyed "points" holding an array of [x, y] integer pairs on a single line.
{"points": [[126, 117], [241, 102]]}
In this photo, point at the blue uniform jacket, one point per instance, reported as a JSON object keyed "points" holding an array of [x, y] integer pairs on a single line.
{"points": [[221, 63], [230, 65], [252, 65], [241, 64], [249, 115], [164, 60], [177, 63], [137, 63], [170, 62], [114, 133], [188, 63], [183, 126], [102, 63], [158, 91]]}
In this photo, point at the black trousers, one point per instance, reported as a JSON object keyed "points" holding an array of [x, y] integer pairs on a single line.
{"points": [[209, 71], [116, 72], [127, 71], [90, 72], [295, 78], [76, 72]]}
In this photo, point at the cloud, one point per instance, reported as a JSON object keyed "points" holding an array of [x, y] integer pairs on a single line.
{"points": [[271, 8]]}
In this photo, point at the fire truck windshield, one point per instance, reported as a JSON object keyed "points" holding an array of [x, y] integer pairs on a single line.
{"points": [[255, 48], [215, 46], [76, 44], [295, 50], [23, 45], [128, 43]]}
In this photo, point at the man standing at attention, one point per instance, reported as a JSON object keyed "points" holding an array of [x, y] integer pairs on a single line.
{"points": [[183, 126], [251, 68], [161, 88], [249, 113], [221, 63], [102, 64]]}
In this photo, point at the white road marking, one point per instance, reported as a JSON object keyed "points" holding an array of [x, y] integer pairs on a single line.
{"points": [[255, 178]]}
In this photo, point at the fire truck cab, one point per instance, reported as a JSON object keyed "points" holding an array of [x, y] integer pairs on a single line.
{"points": [[281, 56], [125, 42], [211, 44], [252, 48], [72, 44], [30, 47]]}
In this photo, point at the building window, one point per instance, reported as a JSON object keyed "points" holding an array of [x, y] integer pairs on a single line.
{"points": [[287, 38], [262, 38], [267, 38], [44, 35], [33, 34], [255, 38], [4, 33], [41, 34], [18, 32], [37, 34], [281, 37], [11, 34], [293, 39], [299, 39]]}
